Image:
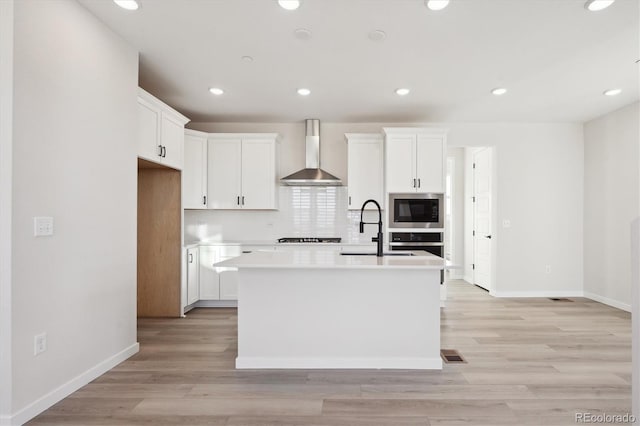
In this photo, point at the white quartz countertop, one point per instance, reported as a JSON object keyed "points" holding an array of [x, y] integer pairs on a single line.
{"points": [[330, 259]]}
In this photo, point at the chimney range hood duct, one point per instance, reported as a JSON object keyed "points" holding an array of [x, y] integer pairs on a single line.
{"points": [[312, 175]]}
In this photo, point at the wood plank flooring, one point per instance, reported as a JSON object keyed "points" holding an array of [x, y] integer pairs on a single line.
{"points": [[529, 362]]}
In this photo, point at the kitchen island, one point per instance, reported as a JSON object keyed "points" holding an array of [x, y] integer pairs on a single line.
{"points": [[319, 308]]}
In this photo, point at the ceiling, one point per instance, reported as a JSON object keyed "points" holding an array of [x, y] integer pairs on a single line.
{"points": [[554, 57]]}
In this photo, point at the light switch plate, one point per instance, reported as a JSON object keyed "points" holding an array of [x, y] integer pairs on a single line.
{"points": [[42, 226]]}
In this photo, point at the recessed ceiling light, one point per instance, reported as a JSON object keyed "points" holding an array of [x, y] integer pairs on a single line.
{"points": [[612, 92], [247, 59], [498, 91], [216, 91], [127, 4], [289, 4], [377, 35], [304, 92], [302, 34], [436, 4], [402, 92], [596, 5]]}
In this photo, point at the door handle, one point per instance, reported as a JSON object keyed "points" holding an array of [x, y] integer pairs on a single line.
{"points": [[190, 257], [488, 236]]}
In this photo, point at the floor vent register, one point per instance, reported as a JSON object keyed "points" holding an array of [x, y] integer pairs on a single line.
{"points": [[560, 299], [452, 356]]}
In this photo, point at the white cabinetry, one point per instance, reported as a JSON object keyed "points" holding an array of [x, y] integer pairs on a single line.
{"points": [[218, 283], [193, 275], [160, 131], [414, 159], [241, 171], [194, 171], [365, 171]]}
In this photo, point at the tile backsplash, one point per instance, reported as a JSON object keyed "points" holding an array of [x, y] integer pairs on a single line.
{"points": [[305, 211]]}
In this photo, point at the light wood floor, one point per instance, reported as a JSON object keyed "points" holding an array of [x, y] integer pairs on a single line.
{"points": [[530, 362]]}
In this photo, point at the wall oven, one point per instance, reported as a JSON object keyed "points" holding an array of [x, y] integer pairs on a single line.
{"points": [[413, 210], [432, 242]]}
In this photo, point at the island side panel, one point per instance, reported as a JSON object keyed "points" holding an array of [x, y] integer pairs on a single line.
{"points": [[339, 318]]}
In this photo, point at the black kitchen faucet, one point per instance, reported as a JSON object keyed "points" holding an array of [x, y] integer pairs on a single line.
{"points": [[377, 239]]}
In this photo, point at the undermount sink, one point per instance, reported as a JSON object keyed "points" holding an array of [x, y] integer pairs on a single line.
{"points": [[373, 254]]}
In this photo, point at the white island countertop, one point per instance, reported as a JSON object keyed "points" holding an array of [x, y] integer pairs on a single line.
{"points": [[330, 259]]}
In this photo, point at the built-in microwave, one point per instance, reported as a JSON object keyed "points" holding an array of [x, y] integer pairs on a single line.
{"points": [[413, 210]]}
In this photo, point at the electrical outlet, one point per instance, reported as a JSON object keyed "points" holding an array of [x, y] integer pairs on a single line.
{"points": [[506, 223], [547, 269], [39, 343], [42, 226]]}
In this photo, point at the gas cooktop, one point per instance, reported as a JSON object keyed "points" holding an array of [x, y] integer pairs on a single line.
{"points": [[309, 240]]}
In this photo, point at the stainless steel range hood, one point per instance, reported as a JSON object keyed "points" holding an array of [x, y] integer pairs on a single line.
{"points": [[312, 175]]}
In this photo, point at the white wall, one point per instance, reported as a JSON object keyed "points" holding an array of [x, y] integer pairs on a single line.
{"points": [[538, 186], [74, 158], [458, 253], [6, 143], [611, 203]]}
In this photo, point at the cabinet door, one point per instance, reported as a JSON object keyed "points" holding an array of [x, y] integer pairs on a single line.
{"points": [[224, 173], [148, 127], [194, 173], [193, 273], [209, 281], [400, 163], [258, 174], [365, 173], [429, 164], [172, 139]]}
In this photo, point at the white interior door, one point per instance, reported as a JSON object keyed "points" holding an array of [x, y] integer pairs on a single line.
{"points": [[482, 218]]}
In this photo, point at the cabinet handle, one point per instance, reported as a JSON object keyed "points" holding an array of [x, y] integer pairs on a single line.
{"points": [[414, 183], [418, 182], [238, 200], [164, 154], [160, 149], [204, 200], [190, 257], [243, 200], [349, 199]]}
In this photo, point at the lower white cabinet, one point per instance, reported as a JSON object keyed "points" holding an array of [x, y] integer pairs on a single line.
{"points": [[218, 283], [193, 275]]}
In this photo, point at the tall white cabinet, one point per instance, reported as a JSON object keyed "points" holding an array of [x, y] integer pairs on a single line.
{"points": [[365, 173], [242, 171], [414, 159]]}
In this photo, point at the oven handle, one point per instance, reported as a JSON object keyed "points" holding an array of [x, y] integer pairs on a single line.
{"points": [[416, 244]]}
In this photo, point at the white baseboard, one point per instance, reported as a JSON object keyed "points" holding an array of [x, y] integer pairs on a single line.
{"points": [[215, 304], [340, 363], [545, 294], [56, 395], [607, 301]]}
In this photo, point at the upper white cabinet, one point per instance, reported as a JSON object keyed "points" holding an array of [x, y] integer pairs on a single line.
{"points": [[241, 171], [365, 170], [160, 131], [194, 170], [414, 159]]}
